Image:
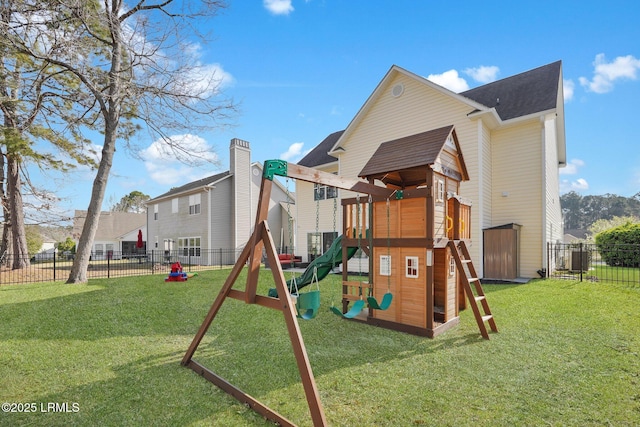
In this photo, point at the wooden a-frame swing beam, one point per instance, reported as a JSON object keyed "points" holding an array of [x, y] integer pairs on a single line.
{"points": [[251, 255]]}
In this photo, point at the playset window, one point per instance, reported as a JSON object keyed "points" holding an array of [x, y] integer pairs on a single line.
{"points": [[440, 191], [385, 265], [411, 269]]}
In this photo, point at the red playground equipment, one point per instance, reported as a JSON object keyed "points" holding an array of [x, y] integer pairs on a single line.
{"points": [[176, 274]]}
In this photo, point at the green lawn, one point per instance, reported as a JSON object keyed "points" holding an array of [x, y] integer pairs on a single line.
{"points": [[109, 352]]}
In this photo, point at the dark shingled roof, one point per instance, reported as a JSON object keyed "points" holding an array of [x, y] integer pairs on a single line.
{"points": [[402, 162], [318, 156], [520, 95], [193, 185]]}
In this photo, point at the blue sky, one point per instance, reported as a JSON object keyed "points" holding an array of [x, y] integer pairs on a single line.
{"points": [[301, 69]]}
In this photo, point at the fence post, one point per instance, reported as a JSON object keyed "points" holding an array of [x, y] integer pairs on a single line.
{"points": [[580, 260], [220, 249], [549, 248], [108, 266], [54, 265]]}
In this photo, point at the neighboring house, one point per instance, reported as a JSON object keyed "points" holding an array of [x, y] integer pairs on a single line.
{"points": [[45, 254], [512, 135], [215, 216], [116, 236]]}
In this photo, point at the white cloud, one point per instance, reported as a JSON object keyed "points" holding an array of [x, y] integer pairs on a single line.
{"points": [[606, 73], [572, 167], [294, 153], [172, 162], [568, 88], [336, 111], [451, 80], [483, 73], [278, 7], [578, 185]]}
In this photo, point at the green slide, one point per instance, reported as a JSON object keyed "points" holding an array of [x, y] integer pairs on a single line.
{"points": [[324, 263]]}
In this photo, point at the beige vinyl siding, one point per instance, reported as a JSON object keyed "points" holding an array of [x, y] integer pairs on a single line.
{"points": [[479, 190], [420, 108], [517, 167], [553, 211], [306, 214]]}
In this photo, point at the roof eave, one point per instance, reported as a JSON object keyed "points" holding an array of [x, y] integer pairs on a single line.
{"points": [[489, 116], [195, 190]]}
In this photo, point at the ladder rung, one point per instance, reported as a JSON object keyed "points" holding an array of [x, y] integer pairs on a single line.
{"points": [[465, 261], [487, 317], [480, 298], [473, 279]]}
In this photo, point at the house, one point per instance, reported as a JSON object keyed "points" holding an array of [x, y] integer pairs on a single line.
{"points": [[116, 236], [511, 132], [210, 220]]}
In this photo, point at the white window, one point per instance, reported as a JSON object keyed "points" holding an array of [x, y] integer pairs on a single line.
{"points": [[174, 205], [452, 266], [385, 265], [440, 191], [194, 204], [98, 249], [411, 267], [322, 192], [155, 212], [189, 246]]}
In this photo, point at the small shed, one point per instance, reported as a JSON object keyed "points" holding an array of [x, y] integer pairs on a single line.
{"points": [[502, 251]]}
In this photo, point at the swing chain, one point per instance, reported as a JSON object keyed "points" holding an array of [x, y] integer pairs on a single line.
{"points": [[358, 232], [388, 246]]}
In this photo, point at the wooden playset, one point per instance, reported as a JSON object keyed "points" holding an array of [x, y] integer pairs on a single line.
{"points": [[413, 230], [418, 242]]}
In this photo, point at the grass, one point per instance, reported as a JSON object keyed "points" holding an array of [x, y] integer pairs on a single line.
{"points": [[568, 353]]}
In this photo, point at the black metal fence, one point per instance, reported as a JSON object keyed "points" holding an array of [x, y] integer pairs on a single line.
{"points": [[618, 263], [47, 267]]}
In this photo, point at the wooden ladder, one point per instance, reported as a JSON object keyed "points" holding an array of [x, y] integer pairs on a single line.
{"points": [[465, 266]]}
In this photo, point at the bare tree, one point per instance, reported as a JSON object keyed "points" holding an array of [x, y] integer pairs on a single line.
{"points": [[137, 66], [33, 94]]}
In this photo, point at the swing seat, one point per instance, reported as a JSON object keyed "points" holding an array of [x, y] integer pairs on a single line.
{"points": [[308, 304], [356, 308], [384, 304]]}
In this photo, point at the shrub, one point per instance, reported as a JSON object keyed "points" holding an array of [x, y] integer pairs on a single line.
{"points": [[620, 246]]}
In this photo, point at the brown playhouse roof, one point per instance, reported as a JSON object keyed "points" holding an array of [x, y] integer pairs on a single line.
{"points": [[402, 162]]}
